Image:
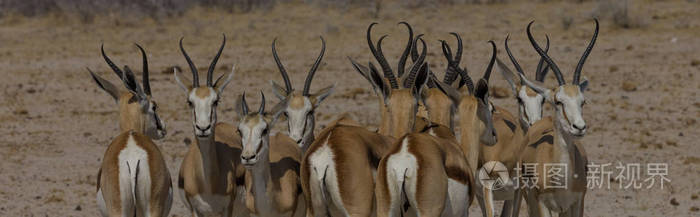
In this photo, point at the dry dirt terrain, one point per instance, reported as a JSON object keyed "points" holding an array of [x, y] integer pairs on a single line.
{"points": [[643, 105]]}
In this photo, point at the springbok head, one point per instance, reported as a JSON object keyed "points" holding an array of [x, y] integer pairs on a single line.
{"points": [[254, 129], [203, 100], [299, 107], [567, 99], [137, 109], [473, 105], [399, 104], [530, 102], [440, 108]]}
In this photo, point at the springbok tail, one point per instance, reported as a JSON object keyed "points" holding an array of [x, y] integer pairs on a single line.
{"points": [[404, 196], [134, 185]]}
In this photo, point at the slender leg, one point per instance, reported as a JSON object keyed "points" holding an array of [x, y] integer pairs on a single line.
{"points": [[507, 208], [488, 202], [533, 209], [517, 199], [544, 211], [482, 205]]}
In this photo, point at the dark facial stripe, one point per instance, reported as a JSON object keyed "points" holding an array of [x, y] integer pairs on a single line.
{"points": [[546, 138]]}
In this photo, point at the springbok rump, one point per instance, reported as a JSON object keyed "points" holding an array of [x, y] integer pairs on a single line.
{"points": [[133, 179]]}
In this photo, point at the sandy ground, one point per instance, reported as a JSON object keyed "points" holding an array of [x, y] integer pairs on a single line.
{"points": [[56, 124]]}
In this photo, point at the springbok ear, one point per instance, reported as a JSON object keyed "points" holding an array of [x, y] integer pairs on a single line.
{"points": [[537, 88], [482, 90], [583, 85], [380, 83], [105, 85], [182, 81], [508, 74], [131, 84], [448, 90], [317, 98], [279, 91], [219, 85]]}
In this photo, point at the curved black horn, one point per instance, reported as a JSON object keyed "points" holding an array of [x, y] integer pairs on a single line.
{"points": [[466, 80], [458, 55], [146, 81], [579, 67], [411, 77], [312, 71], [285, 76], [212, 65], [546, 57], [244, 104], [452, 64], [512, 58], [487, 74], [388, 74], [542, 73], [261, 110], [110, 63], [406, 51], [193, 68]]}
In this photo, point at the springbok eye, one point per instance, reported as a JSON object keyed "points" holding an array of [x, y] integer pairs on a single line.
{"points": [[520, 101], [584, 103], [189, 103], [558, 103], [216, 103], [265, 131], [155, 106], [239, 132]]}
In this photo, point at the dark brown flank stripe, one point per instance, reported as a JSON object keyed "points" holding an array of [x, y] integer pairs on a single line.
{"points": [[510, 125], [546, 138]]}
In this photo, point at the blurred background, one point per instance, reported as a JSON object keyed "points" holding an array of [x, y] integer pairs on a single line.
{"points": [[56, 123]]}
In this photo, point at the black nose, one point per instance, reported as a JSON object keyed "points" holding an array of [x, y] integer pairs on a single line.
{"points": [[247, 157], [203, 129], [580, 127]]}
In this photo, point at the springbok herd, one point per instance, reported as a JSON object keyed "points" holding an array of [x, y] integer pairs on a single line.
{"points": [[436, 143]]}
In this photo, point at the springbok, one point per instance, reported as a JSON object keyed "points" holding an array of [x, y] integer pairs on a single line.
{"points": [[337, 171], [401, 170], [133, 179], [556, 141], [272, 166], [300, 107], [207, 179], [439, 107], [530, 103]]}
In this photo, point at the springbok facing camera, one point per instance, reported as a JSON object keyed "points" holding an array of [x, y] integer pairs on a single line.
{"points": [[557, 141], [207, 179], [133, 179], [272, 166], [530, 103], [299, 108]]}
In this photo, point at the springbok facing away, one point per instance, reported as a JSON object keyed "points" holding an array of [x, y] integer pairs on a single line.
{"points": [[439, 107], [530, 103], [272, 166], [300, 107], [557, 141], [133, 179], [337, 172], [207, 179]]}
